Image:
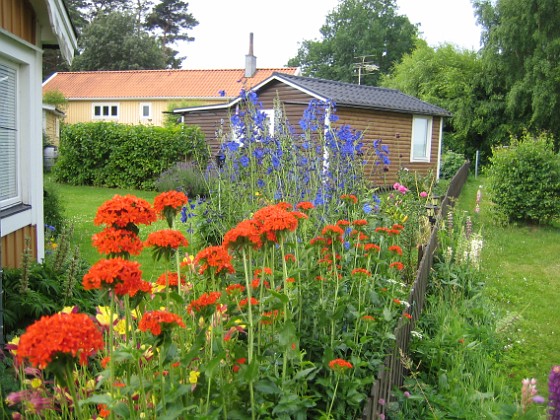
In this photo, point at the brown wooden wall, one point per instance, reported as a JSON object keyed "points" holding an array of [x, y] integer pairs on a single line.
{"points": [[18, 17], [13, 246]]}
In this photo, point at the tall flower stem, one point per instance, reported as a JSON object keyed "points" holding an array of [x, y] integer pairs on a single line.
{"points": [[250, 332], [333, 397], [69, 378], [285, 308]]}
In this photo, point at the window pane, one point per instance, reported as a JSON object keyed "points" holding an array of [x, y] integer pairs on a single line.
{"points": [[97, 111], [114, 111], [8, 134], [105, 110], [420, 140], [146, 110]]}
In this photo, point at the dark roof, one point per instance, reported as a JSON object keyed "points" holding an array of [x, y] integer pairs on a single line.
{"points": [[360, 96]]}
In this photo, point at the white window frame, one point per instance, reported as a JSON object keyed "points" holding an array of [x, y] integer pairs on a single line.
{"points": [[145, 117], [421, 134], [16, 171], [109, 106]]}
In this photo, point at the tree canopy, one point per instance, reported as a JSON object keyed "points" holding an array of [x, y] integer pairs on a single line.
{"points": [[357, 31]]}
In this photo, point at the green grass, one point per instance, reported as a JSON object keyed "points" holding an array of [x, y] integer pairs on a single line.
{"points": [[521, 269], [80, 204]]}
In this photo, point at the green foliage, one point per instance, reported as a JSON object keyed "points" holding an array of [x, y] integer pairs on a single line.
{"points": [[171, 119], [370, 28], [524, 180], [124, 156], [116, 42], [36, 289], [55, 97], [53, 209], [450, 164], [184, 176]]}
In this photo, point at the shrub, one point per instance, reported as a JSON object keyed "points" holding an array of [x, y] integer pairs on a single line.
{"points": [[183, 176], [524, 180], [450, 164], [53, 209], [124, 156]]}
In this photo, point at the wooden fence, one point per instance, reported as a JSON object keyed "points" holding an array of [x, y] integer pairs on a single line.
{"points": [[392, 373]]}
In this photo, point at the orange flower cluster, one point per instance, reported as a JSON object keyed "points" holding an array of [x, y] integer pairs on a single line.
{"points": [[216, 257], [115, 241], [305, 206], [357, 271], [396, 249], [122, 275], [350, 198], [267, 318], [334, 232], [394, 230], [340, 365], [235, 289], [276, 219], [61, 333], [121, 211], [169, 278], [155, 320], [204, 301], [166, 238], [170, 199], [398, 265], [246, 232], [372, 247], [244, 302], [360, 222]]}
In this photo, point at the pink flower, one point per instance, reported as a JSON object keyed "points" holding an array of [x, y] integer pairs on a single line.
{"points": [[423, 194]]}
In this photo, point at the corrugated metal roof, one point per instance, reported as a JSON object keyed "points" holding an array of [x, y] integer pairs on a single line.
{"points": [[156, 83], [348, 94]]}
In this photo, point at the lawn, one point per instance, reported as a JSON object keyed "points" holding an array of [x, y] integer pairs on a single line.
{"points": [[521, 269]]}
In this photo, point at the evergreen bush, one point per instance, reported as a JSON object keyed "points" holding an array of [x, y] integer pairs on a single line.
{"points": [[450, 164], [524, 180], [124, 156]]}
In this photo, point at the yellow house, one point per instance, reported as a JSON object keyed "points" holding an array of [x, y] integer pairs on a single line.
{"points": [[52, 117], [144, 96]]}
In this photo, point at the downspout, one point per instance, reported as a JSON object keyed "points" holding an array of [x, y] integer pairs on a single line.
{"points": [[440, 147]]}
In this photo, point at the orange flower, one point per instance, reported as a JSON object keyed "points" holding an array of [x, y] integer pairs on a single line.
{"points": [[123, 211], [407, 315], [244, 302], [171, 279], [372, 247], [170, 199], [305, 206], [342, 223], [333, 231], [368, 318], [361, 271], [166, 238], [398, 265], [103, 411], [360, 222], [247, 232], [155, 320], [204, 301], [117, 242], [215, 257], [235, 288], [340, 365], [351, 198], [396, 249], [61, 333], [122, 275], [238, 363], [397, 301], [290, 257], [274, 220], [267, 318]]}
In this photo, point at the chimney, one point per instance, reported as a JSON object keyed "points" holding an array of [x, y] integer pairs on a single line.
{"points": [[250, 59]]}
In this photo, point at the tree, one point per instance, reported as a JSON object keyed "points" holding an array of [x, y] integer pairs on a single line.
{"points": [[521, 58], [451, 78], [115, 42], [358, 28], [172, 20]]}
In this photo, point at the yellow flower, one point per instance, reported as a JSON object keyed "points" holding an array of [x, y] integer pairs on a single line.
{"points": [[239, 322], [120, 327], [257, 193], [67, 310], [14, 342], [193, 377], [103, 317], [36, 383]]}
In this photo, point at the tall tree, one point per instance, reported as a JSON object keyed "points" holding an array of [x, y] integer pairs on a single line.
{"points": [[451, 78], [521, 56], [358, 31], [171, 19], [115, 42]]}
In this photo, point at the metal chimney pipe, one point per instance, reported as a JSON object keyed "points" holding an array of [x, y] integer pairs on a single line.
{"points": [[250, 59]]}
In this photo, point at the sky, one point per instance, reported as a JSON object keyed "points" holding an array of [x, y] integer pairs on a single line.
{"points": [[279, 27]]}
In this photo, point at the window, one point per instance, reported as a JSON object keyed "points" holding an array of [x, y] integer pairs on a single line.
{"points": [[421, 139], [9, 156], [105, 111], [146, 111]]}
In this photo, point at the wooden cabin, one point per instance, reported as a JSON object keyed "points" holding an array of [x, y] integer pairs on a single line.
{"points": [[409, 127], [26, 27]]}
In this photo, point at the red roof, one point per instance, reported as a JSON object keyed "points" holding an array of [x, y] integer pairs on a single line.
{"points": [[156, 83]]}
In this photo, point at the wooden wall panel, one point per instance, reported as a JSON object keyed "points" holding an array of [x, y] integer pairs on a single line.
{"points": [[13, 246], [18, 17]]}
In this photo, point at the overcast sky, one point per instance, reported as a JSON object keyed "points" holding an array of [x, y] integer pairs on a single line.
{"points": [[279, 27]]}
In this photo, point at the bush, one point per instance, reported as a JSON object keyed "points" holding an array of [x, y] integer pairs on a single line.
{"points": [[186, 177], [450, 164], [524, 180], [124, 156], [53, 210]]}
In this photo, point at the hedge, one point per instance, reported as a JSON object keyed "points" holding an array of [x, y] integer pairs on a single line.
{"points": [[124, 156]]}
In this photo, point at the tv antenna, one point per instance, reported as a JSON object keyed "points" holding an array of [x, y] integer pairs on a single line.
{"points": [[364, 66]]}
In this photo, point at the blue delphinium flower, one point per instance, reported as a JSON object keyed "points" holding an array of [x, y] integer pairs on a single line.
{"points": [[244, 161], [367, 208], [260, 183], [222, 93]]}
